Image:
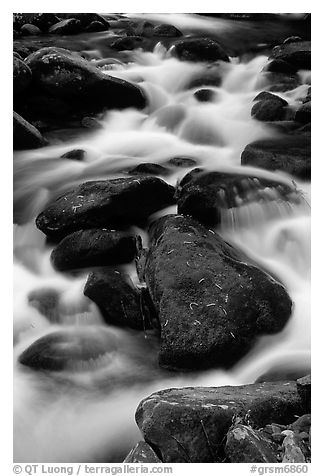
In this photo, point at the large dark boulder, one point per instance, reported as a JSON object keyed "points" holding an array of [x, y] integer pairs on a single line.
{"points": [[246, 445], [189, 425], [71, 26], [105, 203], [211, 304], [205, 195], [142, 453], [94, 247], [291, 154], [46, 301], [199, 49], [67, 75], [22, 75], [297, 53], [25, 135], [117, 298], [69, 349]]}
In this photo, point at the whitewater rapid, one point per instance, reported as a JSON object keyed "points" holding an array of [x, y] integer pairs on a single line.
{"points": [[97, 420]]}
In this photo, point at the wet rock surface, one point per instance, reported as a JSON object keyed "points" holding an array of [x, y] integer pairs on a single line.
{"points": [[190, 424], [211, 305], [93, 247], [206, 195], [199, 49], [290, 154], [269, 107], [116, 296], [105, 203], [65, 74], [297, 53]]}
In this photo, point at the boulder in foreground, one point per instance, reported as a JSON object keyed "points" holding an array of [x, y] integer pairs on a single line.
{"points": [[189, 425]]}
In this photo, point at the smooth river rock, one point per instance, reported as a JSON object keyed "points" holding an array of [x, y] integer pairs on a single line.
{"points": [[93, 247], [105, 203]]}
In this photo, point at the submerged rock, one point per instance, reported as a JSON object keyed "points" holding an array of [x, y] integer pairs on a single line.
{"points": [[142, 453], [190, 424], [69, 349], [105, 203], [245, 445], [210, 302], [199, 49], [291, 154], [46, 301], [117, 298], [94, 247], [149, 169], [67, 75], [25, 135], [75, 154], [183, 162], [204, 195]]}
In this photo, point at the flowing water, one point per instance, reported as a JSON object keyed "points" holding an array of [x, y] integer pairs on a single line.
{"points": [[88, 414]]}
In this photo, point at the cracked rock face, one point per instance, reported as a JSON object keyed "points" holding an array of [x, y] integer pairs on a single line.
{"points": [[210, 302]]}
